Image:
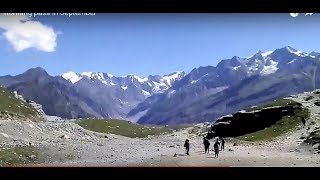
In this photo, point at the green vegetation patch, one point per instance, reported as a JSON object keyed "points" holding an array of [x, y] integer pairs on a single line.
{"points": [[12, 107], [19, 156], [279, 102], [122, 127], [284, 125]]}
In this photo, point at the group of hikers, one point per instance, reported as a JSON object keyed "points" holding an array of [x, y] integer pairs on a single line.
{"points": [[218, 145]]}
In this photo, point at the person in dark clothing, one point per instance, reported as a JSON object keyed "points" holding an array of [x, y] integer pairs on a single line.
{"points": [[216, 148], [303, 120], [187, 146], [222, 143], [206, 144]]}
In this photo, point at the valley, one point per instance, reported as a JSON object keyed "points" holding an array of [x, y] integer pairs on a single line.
{"points": [[66, 143], [122, 89]]}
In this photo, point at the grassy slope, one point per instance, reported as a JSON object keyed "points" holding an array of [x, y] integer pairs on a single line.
{"points": [[121, 127], [279, 102], [286, 124], [11, 106], [19, 155]]}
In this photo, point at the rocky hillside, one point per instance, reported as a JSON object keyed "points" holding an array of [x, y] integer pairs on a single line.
{"points": [[275, 121], [311, 133], [271, 119], [14, 107], [106, 142]]}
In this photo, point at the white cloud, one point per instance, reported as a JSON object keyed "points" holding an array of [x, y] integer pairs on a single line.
{"points": [[23, 33]]}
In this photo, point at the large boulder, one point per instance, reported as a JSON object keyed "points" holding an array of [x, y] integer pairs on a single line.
{"points": [[244, 122], [314, 137]]}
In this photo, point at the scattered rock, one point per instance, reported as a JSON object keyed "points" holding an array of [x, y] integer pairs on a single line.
{"points": [[64, 136], [308, 98], [105, 136], [230, 149], [316, 146], [5, 135], [235, 144], [316, 92], [291, 150], [158, 149], [171, 146], [317, 103], [303, 137], [31, 156], [175, 155]]}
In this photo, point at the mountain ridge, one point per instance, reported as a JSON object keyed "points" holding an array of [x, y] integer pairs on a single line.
{"points": [[143, 99], [263, 75]]}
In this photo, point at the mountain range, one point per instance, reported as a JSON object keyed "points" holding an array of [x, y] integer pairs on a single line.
{"points": [[204, 94], [88, 94]]}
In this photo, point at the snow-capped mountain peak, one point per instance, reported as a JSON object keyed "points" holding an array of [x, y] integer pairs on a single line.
{"points": [[296, 52], [260, 54], [139, 79], [170, 78], [314, 54], [72, 77], [110, 75], [75, 77], [88, 74], [267, 53], [146, 85], [97, 76], [265, 63]]}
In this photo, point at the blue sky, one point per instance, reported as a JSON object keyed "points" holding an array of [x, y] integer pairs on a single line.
{"points": [[149, 44]]}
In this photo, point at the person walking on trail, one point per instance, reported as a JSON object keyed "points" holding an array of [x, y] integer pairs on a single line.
{"points": [[222, 143], [206, 144], [187, 146], [216, 148], [303, 120]]}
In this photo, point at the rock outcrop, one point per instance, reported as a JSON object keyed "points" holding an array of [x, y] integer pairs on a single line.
{"points": [[35, 105], [244, 122], [314, 137]]}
